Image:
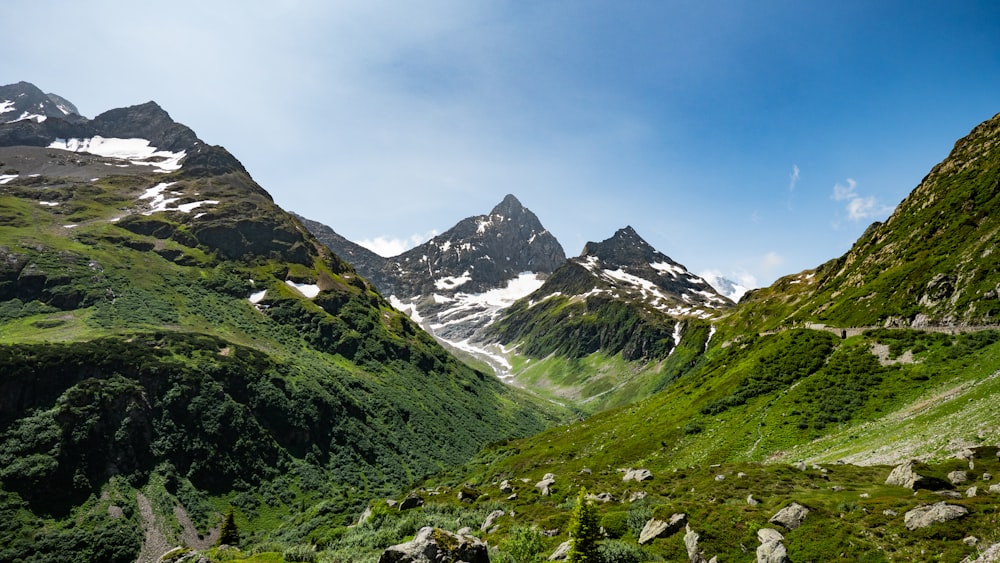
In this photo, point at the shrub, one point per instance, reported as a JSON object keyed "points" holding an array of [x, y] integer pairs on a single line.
{"points": [[303, 553], [615, 524], [617, 551], [523, 544], [584, 532]]}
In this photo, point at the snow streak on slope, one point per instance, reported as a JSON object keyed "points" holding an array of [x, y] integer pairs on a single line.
{"points": [[135, 151], [455, 320]]}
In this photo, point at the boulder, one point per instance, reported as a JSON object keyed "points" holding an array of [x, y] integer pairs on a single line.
{"points": [[467, 494], [923, 516], [772, 552], [506, 488], [958, 477], [433, 545], [995, 489], [560, 553], [752, 501], [659, 528], [490, 519], [637, 475], [412, 501], [791, 516], [971, 491], [545, 485], [903, 476], [765, 535]]}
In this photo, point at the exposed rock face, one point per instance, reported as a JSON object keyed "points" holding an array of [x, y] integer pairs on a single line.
{"points": [[958, 477], [560, 553], [434, 545], [545, 484], [791, 516], [923, 516], [903, 476], [412, 501], [691, 545]]}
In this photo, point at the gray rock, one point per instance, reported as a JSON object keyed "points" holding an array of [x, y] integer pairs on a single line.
{"points": [[637, 475], [490, 519], [903, 476], [970, 540], [412, 501], [560, 553], [923, 516], [691, 545], [890, 512], [545, 486], [772, 552], [659, 528], [365, 516], [432, 545], [971, 491], [765, 535], [752, 501], [958, 477], [741, 475], [506, 488], [720, 477], [800, 465], [791, 516], [955, 495], [987, 476]]}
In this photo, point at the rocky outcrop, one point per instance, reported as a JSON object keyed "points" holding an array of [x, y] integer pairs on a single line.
{"points": [[545, 485], [926, 515], [434, 545]]}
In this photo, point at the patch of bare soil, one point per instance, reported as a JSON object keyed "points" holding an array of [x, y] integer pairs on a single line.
{"points": [[190, 537]]}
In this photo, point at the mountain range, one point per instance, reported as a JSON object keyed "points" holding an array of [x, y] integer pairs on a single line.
{"points": [[176, 347]]}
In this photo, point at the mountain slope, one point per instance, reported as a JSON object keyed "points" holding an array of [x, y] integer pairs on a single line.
{"points": [[166, 329], [621, 297], [931, 263], [457, 283], [781, 409]]}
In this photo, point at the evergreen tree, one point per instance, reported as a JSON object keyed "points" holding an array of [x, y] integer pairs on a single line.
{"points": [[584, 532], [229, 534]]}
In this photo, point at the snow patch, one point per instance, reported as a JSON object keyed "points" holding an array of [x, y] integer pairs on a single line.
{"points": [[668, 268], [4, 178], [309, 290], [451, 282], [49, 203], [6, 106], [136, 151], [162, 203], [408, 309], [257, 297]]}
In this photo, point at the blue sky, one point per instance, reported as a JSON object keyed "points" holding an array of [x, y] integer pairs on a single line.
{"points": [[755, 139]]}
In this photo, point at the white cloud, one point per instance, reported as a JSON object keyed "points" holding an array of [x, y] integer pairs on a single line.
{"points": [[388, 247], [793, 178], [858, 207], [771, 260]]}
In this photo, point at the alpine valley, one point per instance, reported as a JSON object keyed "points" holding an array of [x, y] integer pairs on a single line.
{"points": [[190, 373]]}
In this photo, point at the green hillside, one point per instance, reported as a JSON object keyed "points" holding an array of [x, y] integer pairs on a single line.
{"points": [[810, 391], [180, 336]]}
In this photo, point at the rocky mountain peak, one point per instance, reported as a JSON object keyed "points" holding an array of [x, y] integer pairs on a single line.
{"points": [[24, 101], [509, 207]]}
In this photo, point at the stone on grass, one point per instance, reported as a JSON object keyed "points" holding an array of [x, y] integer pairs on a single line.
{"points": [[490, 519], [432, 545], [958, 477], [637, 475], [923, 516], [560, 553], [903, 476], [791, 516], [660, 528]]}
